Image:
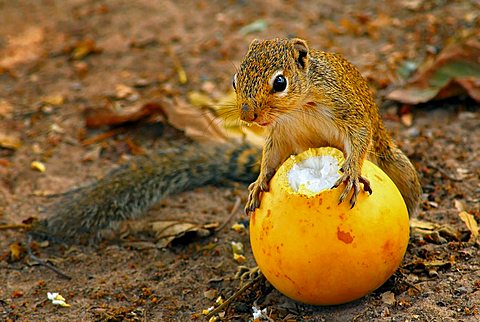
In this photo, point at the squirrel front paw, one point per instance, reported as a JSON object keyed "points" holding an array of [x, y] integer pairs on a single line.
{"points": [[255, 189], [352, 182]]}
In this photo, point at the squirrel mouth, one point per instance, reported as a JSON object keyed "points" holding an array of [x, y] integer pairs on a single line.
{"points": [[263, 123]]}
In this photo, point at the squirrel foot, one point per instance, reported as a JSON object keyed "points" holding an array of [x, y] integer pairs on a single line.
{"points": [[245, 273], [255, 189], [352, 182]]}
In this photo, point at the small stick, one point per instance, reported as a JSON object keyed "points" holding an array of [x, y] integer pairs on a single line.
{"points": [[443, 172], [234, 210], [15, 226], [234, 296], [43, 263]]}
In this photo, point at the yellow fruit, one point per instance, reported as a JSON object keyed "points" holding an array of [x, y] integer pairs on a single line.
{"points": [[316, 251]]}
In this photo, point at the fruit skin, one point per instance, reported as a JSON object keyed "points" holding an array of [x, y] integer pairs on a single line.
{"points": [[319, 252]]}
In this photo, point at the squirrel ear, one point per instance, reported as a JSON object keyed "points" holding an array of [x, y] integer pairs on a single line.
{"points": [[301, 51]]}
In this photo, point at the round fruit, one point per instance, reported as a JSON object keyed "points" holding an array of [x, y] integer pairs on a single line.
{"points": [[317, 251]]}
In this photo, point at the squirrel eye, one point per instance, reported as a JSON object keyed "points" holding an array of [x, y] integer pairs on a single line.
{"points": [[279, 83], [234, 82]]}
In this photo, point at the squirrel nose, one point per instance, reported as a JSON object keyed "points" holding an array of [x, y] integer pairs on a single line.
{"points": [[247, 114]]}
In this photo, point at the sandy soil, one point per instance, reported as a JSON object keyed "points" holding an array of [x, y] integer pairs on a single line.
{"points": [[59, 58]]}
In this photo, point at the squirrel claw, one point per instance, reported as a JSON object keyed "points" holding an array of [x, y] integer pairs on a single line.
{"points": [[352, 182], [253, 202]]}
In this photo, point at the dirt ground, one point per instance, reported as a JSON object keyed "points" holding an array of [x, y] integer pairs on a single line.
{"points": [[59, 58]]}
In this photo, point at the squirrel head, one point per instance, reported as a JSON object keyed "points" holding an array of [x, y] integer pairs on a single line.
{"points": [[271, 79]]}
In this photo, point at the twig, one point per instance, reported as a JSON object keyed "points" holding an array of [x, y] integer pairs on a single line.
{"points": [[234, 296], [43, 263], [234, 210], [15, 226], [443, 172], [412, 285]]}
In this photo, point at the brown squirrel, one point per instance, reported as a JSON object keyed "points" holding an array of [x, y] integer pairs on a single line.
{"points": [[306, 98]]}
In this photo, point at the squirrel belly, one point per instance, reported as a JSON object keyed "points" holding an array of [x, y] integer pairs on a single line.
{"points": [[87, 213]]}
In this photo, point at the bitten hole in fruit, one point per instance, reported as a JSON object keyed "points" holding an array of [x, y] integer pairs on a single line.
{"points": [[314, 175]]}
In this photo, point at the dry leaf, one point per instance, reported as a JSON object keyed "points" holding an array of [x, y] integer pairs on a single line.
{"points": [[210, 294], [39, 166], [436, 233], [197, 124], [10, 140], [459, 205], [54, 100], [388, 298], [424, 225], [83, 48], [471, 224], [123, 91], [455, 71], [254, 27], [97, 117], [168, 231], [407, 119], [17, 293], [15, 251], [429, 266], [22, 48], [6, 109], [198, 99]]}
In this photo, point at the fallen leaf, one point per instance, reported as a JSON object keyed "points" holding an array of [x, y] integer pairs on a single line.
{"points": [[407, 119], [39, 166], [455, 71], [54, 100], [6, 109], [256, 26], [197, 124], [198, 99], [123, 91], [167, 231], [108, 115], [471, 224], [93, 154], [430, 267], [459, 205], [210, 294], [83, 48], [411, 4], [10, 140], [23, 47], [17, 294], [388, 298], [438, 234], [15, 251]]}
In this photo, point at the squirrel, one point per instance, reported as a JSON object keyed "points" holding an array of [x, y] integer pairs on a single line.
{"points": [[308, 98], [305, 98]]}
